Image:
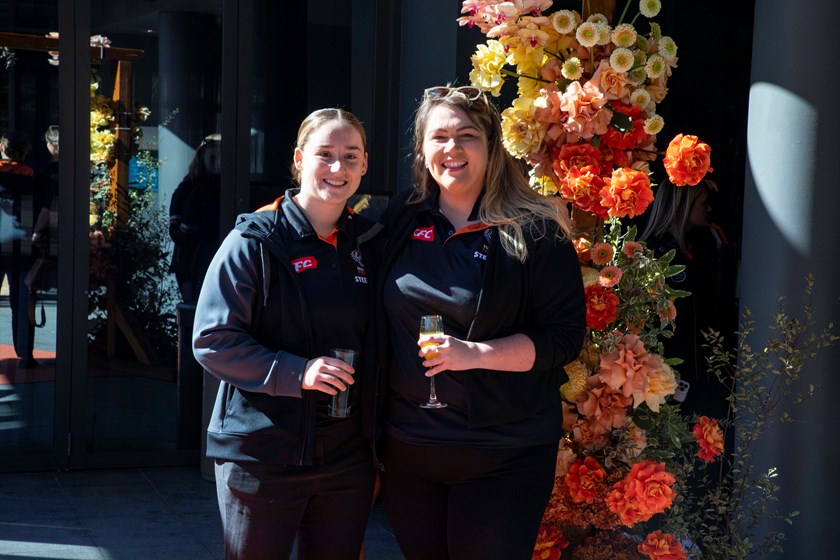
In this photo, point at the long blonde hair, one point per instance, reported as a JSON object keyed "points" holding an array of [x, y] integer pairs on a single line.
{"points": [[508, 201]]}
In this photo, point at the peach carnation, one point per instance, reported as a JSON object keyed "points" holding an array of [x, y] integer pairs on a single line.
{"points": [[627, 367], [709, 437], [604, 406], [687, 160], [584, 105]]}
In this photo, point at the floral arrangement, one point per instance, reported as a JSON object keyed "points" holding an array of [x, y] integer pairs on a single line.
{"points": [[585, 121]]}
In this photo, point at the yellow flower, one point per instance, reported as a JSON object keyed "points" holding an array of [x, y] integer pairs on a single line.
{"points": [[576, 385], [487, 67], [542, 184], [102, 146], [521, 132]]}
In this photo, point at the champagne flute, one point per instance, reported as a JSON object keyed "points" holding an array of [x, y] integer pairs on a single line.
{"points": [[431, 325]]}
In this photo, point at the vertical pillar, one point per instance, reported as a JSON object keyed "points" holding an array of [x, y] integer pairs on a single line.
{"points": [[791, 228], [190, 75]]}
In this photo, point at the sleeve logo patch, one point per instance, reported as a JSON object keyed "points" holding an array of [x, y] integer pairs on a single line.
{"points": [[304, 263], [424, 234]]}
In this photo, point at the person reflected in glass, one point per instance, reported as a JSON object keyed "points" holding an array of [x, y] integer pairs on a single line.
{"points": [[680, 219], [194, 218], [20, 199], [288, 284], [44, 235], [473, 243]]}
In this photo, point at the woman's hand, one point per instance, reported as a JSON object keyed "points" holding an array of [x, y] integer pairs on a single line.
{"points": [[328, 375], [442, 352]]}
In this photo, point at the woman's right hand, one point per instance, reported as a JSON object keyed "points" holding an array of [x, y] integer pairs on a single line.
{"points": [[328, 375]]}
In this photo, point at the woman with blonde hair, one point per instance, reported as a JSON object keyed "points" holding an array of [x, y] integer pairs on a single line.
{"points": [[470, 477]]}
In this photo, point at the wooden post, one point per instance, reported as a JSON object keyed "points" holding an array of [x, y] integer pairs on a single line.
{"points": [[123, 108], [606, 7]]}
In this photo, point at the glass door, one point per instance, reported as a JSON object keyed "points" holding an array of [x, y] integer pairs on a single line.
{"points": [[29, 244], [153, 219]]}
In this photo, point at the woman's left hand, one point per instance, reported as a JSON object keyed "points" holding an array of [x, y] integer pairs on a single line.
{"points": [[446, 353]]}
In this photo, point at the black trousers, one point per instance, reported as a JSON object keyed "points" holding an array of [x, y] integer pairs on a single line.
{"points": [[461, 503], [264, 507]]}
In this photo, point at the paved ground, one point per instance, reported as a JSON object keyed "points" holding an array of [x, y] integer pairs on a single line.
{"points": [[131, 514]]}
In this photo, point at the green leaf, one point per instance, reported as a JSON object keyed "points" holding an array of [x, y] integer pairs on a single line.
{"points": [[621, 122]]}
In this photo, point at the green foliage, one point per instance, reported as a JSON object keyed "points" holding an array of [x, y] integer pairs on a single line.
{"points": [[138, 258], [765, 387]]}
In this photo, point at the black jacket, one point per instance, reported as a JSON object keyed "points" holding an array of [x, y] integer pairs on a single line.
{"points": [[541, 298], [252, 331]]}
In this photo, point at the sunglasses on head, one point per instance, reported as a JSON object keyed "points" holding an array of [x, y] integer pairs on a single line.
{"points": [[439, 92]]}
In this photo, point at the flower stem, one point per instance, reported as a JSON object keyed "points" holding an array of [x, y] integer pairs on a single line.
{"points": [[518, 75], [624, 12]]}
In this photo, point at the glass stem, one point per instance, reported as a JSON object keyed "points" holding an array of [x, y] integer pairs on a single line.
{"points": [[432, 394]]}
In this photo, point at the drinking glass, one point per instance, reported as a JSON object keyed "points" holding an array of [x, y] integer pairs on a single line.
{"points": [[340, 402], [431, 325]]}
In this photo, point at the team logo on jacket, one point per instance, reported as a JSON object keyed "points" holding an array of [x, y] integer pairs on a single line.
{"points": [[361, 274], [304, 263], [424, 234]]}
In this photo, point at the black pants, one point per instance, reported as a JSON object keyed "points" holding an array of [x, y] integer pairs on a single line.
{"points": [[23, 331], [461, 503], [264, 507]]}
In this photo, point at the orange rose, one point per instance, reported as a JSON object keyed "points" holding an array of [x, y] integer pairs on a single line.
{"points": [[687, 160], [634, 136], [644, 492], [550, 542], [582, 187], [627, 194], [709, 437], [601, 307], [662, 546], [583, 248], [584, 479], [580, 155]]}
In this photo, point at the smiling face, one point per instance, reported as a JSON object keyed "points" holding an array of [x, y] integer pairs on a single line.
{"points": [[331, 164], [455, 151]]}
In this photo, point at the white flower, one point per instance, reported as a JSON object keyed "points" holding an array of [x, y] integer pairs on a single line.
{"points": [[598, 18], [572, 69], [667, 48], [650, 8], [604, 33], [587, 34], [563, 21], [621, 60], [640, 98], [654, 124], [655, 66], [624, 35]]}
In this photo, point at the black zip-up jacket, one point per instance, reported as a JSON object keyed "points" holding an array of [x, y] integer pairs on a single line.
{"points": [[252, 331], [541, 298]]}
